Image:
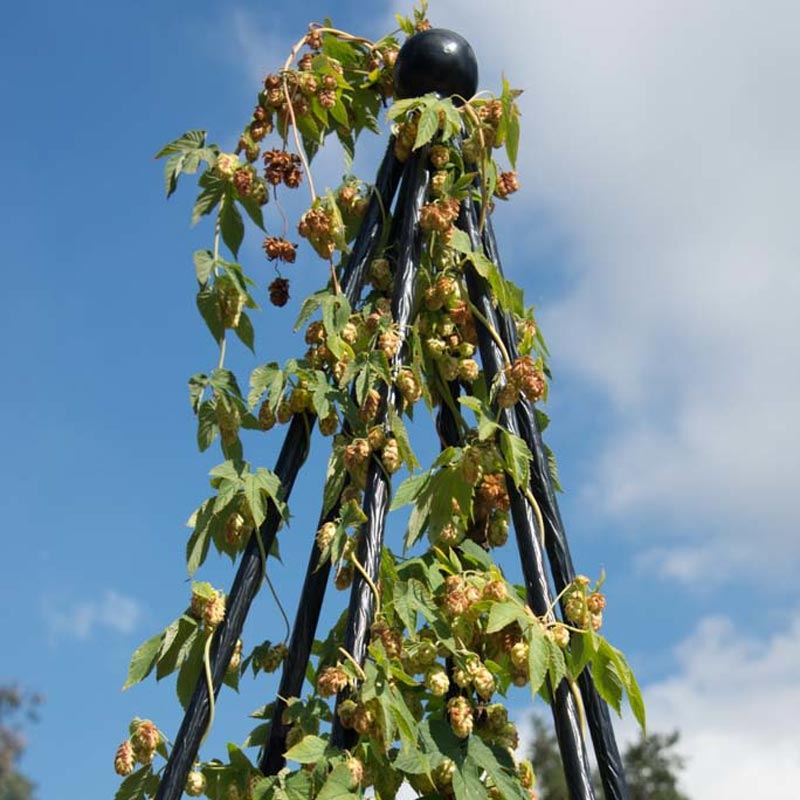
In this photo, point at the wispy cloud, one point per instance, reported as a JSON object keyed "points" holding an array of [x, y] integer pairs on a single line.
{"points": [[734, 699], [660, 142], [81, 619]]}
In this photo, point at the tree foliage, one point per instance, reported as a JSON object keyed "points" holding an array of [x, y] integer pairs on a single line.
{"points": [[16, 706], [652, 767]]}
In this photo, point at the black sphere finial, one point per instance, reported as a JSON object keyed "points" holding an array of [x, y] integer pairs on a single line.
{"points": [[436, 60]]}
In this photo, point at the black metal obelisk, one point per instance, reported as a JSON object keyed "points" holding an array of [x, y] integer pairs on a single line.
{"points": [[438, 61]]}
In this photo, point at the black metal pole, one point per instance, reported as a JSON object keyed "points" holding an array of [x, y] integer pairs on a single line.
{"points": [[565, 715], [609, 762], [377, 495], [292, 456]]}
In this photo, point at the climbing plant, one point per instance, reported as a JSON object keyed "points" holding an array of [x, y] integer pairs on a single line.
{"points": [[448, 634]]}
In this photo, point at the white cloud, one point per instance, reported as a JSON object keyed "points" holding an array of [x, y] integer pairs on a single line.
{"points": [[735, 700], [81, 619], [660, 139]]}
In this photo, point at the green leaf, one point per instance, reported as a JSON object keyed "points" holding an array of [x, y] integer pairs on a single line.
{"points": [[310, 305], [135, 785], [207, 201], [190, 671], [207, 429], [172, 169], [409, 490], [502, 774], [197, 546], [614, 672], [403, 443], [308, 750], [607, 679], [460, 241], [268, 377], [512, 138], [417, 522], [231, 225], [244, 330], [256, 501], [502, 614], [538, 656], [258, 736], [271, 484], [582, 649], [176, 645], [428, 124], [339, 113], [337, 787], [191, 140], [253, 210], [556, 664], [335, 477], [143, 660], [208, 306], [553, 468], [197, 384], [517, 458]]}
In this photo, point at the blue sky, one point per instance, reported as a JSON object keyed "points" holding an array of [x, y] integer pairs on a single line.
{"points": [[655, 231]]}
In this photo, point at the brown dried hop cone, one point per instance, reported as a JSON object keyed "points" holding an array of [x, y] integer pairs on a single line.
{"points": [[279, 292], [273, 657], [329, 425], [507, 183], [331, 681], [124, 760], [266, 416], [369, 408]]}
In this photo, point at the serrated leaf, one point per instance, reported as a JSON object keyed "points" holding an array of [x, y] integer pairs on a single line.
{"points": [[203, 265], [143, 660], [556, 665], [208, 306], [173, 652], [502, 774], [207, 429], [256, 501], [191, 140], [231, 226], [538, 657], [417, 522], [409, 490], [265, 378], [197, 546], [512, 138], [308, 750], [206, 202], [135, 785], [172, 169], [253, 210], [197, 384], [334, 481], [517, 458], [244, 330], [403, 442], [427, 125], [460, 241], [190, 671], [502, 614]]}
